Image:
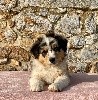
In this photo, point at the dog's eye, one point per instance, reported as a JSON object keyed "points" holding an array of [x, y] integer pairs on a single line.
{"points": [[55, 49], [44, 53]]}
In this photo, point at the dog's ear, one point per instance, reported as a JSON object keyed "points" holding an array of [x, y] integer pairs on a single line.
{"points": [[62, 42], [35, 47]]}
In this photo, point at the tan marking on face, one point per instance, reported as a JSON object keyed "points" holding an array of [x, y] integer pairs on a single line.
{"points": [[44, 49], [59, 58], [43, 60]]}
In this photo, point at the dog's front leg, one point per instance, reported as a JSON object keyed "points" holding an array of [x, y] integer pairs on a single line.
{"points": [[60, 83], [36, 84]]}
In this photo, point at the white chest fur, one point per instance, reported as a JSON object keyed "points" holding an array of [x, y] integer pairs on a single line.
{"points": [[48, 73]]}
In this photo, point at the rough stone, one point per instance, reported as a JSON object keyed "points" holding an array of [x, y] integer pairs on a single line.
{"points": [[20, 4], [94, 4], [91, 39], [43, 12], [90, 23], [21, 21], [13, 65], [25, 43], [28, 21], [57, 11], [19, 54], [73, 57], [53, 18], [89, 53], [69, 24], [1, 36], [9, 3], [10, 35], [3, 61], [3, 25], [14, 52], [94, 66], [10, 23], [10, 68], [76, 42], [4, 52]]}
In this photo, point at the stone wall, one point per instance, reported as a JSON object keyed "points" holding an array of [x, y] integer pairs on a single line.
{"points": [[22, 20]]}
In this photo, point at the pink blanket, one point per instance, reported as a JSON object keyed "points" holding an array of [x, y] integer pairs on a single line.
{"points": [[14, 86]]}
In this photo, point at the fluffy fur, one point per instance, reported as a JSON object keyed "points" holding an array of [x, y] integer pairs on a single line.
{"points": [[50, 63]]}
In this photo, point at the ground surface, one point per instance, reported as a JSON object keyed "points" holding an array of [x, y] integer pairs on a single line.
{"points": [[14, 86]]}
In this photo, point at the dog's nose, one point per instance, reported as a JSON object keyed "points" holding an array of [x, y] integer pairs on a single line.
{"points": [[52, 60]]}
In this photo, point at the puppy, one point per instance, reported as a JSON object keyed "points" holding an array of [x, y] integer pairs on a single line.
{"points": [[50, 63]]}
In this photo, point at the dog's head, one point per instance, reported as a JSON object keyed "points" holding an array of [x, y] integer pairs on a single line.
{"points": [[50, 48]]}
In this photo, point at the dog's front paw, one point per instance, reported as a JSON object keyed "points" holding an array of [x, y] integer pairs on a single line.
{"points": [[53, 87], [36, 86]]}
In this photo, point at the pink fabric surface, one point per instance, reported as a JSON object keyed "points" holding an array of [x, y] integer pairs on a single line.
{"points": [[14, 86]]}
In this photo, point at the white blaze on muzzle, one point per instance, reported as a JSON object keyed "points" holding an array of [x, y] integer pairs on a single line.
{"points": [[51, 54]]}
